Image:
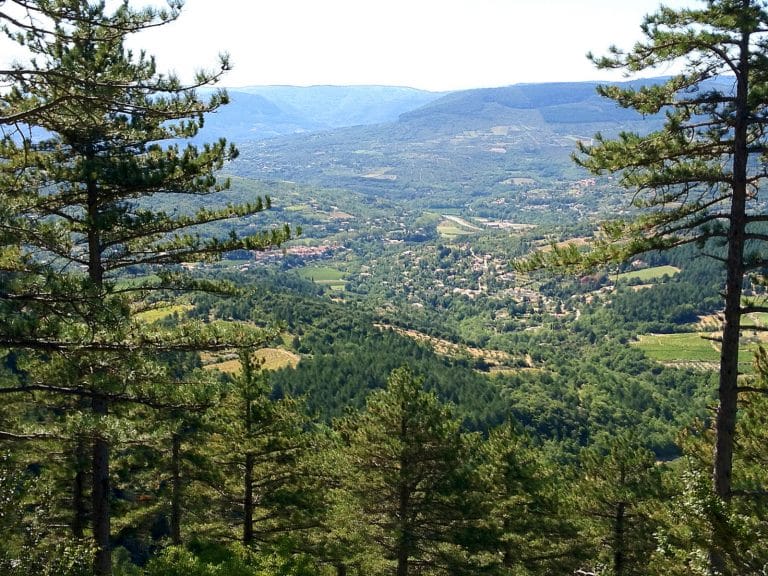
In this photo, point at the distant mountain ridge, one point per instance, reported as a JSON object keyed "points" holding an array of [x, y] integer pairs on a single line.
{"points": [[408, 144], [471, 140], [260, 112], [342, 106], [553, 103]]}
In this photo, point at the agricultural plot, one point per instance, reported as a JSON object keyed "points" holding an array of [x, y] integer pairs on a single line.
{"points": [[693, 349], [267, 358], [679, 348], [648, 274], [449, 230], [453, 226], [158, 314], [325, 276]]}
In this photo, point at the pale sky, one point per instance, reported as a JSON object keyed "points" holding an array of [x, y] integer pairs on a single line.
{"points": [[428, 44]]}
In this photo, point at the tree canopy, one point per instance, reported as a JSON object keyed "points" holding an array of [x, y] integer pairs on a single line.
{"points": [[97, 136], [698, 179]]}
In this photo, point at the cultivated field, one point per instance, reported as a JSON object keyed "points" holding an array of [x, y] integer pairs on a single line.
{"points": [[680, 348], [324, 275], [694, 349], [268, 358], [157, 314], [648, 274]]}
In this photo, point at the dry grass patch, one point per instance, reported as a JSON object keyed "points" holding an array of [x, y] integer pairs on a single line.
{"points": [[267, 358], [497, 360], [162, 312]]}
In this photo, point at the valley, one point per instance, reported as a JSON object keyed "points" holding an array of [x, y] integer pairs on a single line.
{"points": [[415, 226], [376, 330]]}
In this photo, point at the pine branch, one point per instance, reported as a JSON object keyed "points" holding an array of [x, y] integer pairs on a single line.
{"points": [[27, 437], [112, 397], [150, 345]]}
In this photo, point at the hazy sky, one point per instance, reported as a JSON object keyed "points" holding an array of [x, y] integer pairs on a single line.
{"points": [[428, 44]]}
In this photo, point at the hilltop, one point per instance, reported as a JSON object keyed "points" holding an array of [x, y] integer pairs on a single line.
{"points": [[456, 149], [262, 112]]}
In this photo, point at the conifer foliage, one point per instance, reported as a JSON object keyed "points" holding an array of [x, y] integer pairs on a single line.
{"points": [[112, 436], [410, 477], [699, 179], [91, 145]]}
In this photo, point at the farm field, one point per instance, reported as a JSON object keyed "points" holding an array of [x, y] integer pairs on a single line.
{"points": [[691, 348], [648, 274], [453, 226], [270, 359], [325, 276], [679, 348], [158, 314]]}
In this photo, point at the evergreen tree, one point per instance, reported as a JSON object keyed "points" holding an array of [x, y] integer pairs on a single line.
{"points": [[742, 521], [32, 542], [621, 485], [156, 473], [79, 194], [699, 178], [259, 447], [529, 520], [410, 473]]}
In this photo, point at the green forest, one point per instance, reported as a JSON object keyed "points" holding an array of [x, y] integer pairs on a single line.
{"points": [[448, 345]]}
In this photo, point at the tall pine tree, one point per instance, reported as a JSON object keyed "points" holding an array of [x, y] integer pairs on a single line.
{"points": [[410, 475], [699, 178], [80, 183]]}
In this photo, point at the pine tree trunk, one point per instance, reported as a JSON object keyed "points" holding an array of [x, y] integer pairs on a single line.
{"points": [[250, 458], [618, 540], [404, 536], [508, 560], [81, 459], [102, 565], [509, 556], [176, 489], [79, 508], [402, 561], [725, 423], [248, 499]]}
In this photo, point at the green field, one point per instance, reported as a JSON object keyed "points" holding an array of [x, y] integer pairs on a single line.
{"points": [[648, 274], [151, 316], [450, 231], [690, 347], [325, 276], [453, 226]]}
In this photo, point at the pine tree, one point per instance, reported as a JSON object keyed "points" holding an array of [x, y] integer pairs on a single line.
{"points": [[410, 474], [259, 446], [620, 487], [529, 521], [80, 184], [742, 521], [699, 178]]}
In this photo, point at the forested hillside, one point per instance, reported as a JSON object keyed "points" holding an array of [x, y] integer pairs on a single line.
{"points": [[388, 331]]}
